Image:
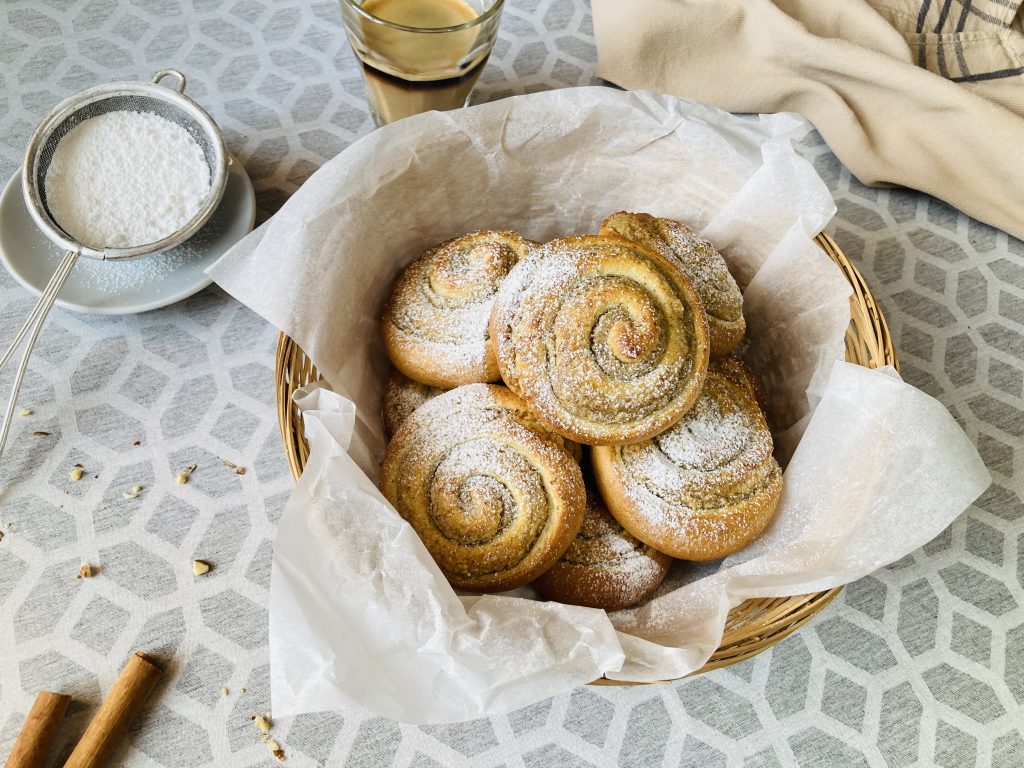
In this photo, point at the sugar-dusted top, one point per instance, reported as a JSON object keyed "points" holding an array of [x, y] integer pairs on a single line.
{"points": [[604, 338], [435, 324]]}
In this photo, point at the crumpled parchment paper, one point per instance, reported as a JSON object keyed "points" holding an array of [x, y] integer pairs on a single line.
{"points": [[359, 613]]}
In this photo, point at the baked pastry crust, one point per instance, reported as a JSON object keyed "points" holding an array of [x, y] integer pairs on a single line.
{"points": [[494, 497], [707, 486], [402, 396], [703, 266], [604, 338], [605, 566], [435, 323]]}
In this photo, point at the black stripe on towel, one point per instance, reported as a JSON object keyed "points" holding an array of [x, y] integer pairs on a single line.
{"points": [[943, 15], [961, 61], [921, 16], [963, 15], [996, 75], [990, 18]]}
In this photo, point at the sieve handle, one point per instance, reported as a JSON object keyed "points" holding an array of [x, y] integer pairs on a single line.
{"points": [[179, 76], [32, 326]]}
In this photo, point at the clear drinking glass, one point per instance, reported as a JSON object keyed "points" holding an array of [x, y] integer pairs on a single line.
{"points": [[419, 55]]}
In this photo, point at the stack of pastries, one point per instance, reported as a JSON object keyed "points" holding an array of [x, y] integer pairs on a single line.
{"points": [[570, 414]]}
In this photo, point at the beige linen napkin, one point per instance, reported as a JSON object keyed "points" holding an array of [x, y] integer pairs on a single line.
{"points": [[919, 93]]}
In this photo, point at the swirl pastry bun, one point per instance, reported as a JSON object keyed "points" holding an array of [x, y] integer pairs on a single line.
{"points": [[604, 567], [707, 486], [402, 396], [703, 266], [604, 338], [495, 499], [435, 323]]}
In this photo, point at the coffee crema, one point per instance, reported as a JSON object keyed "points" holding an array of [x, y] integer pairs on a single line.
{"points": [[408, 72]]}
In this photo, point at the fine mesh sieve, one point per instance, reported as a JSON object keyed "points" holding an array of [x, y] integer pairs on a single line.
{"points": [[150, 97], [168, 103]]}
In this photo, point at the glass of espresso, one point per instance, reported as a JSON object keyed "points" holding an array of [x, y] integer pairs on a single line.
{"points": [[419, 55]]}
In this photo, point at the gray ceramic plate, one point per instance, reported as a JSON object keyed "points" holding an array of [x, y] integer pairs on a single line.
{"points": [[136, 285]]}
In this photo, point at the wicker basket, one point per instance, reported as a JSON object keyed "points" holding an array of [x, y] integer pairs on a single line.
{"points": [[752, 626]]}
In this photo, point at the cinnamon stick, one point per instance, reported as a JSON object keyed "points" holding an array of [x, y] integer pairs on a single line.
{"points": [[39, 731], [123, 702]]}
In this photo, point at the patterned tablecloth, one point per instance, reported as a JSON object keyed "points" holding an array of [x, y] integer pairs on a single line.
{"points": [[919, 664]]}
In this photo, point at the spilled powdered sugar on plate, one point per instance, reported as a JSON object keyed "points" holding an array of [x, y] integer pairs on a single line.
{"points": [[113, 277], [124, 286]]}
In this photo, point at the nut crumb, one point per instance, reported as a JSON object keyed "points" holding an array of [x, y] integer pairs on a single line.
{"points": [[181, 478], [40, 433], [84, 571], [224, 691], [76, 474], [137, 443], [199, 567], [136, 488], [229, 464], [127, 495], [1, 535], [242, 690], [273, 745], [25, 412], [262, 723], [279, 754], [191, 468], [239, 470]]}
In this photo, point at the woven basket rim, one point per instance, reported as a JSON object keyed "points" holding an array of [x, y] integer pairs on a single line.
{"points": [[752, 626]]}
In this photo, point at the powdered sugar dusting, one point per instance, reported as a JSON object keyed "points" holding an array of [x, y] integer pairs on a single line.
{"points": [[486, 493], [441, 304], [708, 437], [402, 396], [685, 483], [605, 566], [696, 257], [601, 338]]}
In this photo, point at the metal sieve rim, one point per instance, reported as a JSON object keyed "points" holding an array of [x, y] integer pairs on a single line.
{"points": [[152, 90]]}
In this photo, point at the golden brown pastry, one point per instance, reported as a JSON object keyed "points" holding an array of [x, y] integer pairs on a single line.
{"points": [[700, 262], [495, 499], [402, 396], [605, 566], [708, 485], [605, 339], [435, 324]]}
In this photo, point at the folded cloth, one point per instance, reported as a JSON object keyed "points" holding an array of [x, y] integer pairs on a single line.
{"points": [[922, 94]]}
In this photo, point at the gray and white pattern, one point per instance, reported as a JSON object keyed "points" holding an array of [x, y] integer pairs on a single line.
{"points": [[919, 664]]}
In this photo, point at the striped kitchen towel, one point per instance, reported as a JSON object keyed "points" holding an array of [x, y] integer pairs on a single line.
{"points": [[965, 41], [927, 94]]}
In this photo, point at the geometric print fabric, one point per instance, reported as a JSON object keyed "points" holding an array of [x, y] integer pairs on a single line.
{"points": [[919, 664]]}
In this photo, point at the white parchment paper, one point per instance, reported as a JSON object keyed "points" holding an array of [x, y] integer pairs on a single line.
{"points": [[359, 613]]}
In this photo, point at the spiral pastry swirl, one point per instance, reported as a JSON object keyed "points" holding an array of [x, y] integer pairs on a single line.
{"points": [[707, 486], [605, 339], [495, 500], [435, 323], [605, 566], [703, 266]]}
